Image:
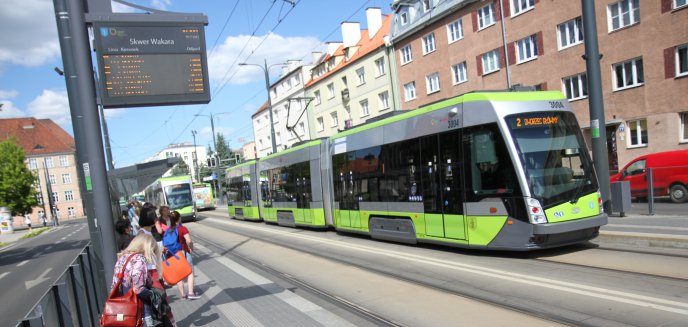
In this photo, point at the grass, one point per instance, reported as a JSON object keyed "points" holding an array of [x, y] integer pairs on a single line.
{"points": [[35, 232], [2, 245]]}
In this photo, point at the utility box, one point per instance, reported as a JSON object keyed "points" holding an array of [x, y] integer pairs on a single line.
{"points": [[621, 197], [6, 220]]}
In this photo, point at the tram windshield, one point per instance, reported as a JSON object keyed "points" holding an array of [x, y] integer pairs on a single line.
{"points": [[178, 196], [553, 154]]}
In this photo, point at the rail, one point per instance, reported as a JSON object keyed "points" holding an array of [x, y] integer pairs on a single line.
{"points": [[75, 299]]}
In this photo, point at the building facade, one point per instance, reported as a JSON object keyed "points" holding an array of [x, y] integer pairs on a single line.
{"points": [[288, 100], [447, 48], [248, 151], [353, 82], [184, 151], [51, 154]]}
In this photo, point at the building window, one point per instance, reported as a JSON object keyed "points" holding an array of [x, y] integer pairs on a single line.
{"points": [[432, 82], [260, 142], [365, 111], [638, 132], [275, 116], [680, 3], [628, 74], [490, 62], [318, 100], [39, 198], [384, 100], [682, 60], [71, 212], [459, 73], [321, 124], [520, 6], [278, 138], [330, 90], [570, 33], [623, 13], [410, 91], [69, 196], [66, 178], [56, 197], [64, 162], [684, 126], [57, 213], [576, 87], [426, 5], [302, 128], [527, 48], [334, 122], [380, 66], [405, 54], [49, 162], [486, 16], [52, 180], [454, 31], [360, 73], [33, 164], [428, 43], [403, 16]]}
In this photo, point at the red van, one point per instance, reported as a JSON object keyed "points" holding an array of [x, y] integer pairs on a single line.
{"points": [[669, 174]]}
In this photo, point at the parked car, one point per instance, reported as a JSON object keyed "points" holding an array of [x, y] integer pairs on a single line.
{"points": [[669, 175]]}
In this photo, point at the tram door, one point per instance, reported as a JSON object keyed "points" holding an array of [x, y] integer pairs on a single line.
{"points": [[442, 191], [303, 193]]}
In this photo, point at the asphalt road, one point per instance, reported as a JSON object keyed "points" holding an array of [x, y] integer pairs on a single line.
{"points": [[31, 266]]}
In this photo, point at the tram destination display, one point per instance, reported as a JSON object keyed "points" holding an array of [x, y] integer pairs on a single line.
{"points": [[151, 64]]}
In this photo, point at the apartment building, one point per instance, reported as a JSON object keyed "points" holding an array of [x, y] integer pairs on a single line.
{"points": [[184, 151], [287, 96], [51, 154], [446, 48], [353, 82], [248, 151]]}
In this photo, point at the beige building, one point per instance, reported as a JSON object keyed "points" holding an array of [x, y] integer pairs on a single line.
{"points": [[51, 155], [248, 151], [353, 82], [450, 47]]}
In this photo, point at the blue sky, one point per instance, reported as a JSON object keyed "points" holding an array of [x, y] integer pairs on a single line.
{"points": [[29, 51]]}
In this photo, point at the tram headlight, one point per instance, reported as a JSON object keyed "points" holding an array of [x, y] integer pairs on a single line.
{"points": [[537, 215]]}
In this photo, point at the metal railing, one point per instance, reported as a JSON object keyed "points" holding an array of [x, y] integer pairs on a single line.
{"points": [[75, 299]]}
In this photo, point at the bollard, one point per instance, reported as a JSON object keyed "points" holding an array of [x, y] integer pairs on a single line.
{"points": [[650, 193]]}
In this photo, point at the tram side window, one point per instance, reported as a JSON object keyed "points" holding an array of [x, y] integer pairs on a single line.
{"points": [[489, 169], [401, 169], [429, 174], [265, 188], [246, 189], [304, 194], [452, 192], [235, 189]]}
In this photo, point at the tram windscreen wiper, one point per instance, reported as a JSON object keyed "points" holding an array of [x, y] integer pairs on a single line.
{"points": [[577, 193]]}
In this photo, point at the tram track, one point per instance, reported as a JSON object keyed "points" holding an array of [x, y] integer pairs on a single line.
{"points": [[360, 310]]}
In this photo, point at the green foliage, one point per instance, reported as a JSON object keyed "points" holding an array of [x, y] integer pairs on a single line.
{"points": [[180, 169], [35, 232], [17, 190]]}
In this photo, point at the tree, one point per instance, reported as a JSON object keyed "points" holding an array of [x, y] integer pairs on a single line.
{"points": [[181, 168], [17, 190], [224, 152]]}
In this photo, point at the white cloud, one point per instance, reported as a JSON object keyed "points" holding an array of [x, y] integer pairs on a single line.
{"points": [[8, 110], [29, 32], [118, 7], [161, 4], [8, 94], [114, 113], [276, 49], [207, 132], [51, 104]]}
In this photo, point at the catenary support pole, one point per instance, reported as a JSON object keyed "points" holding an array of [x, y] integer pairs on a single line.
{"points": [[85, 96], [598, 129], [66, 45]]}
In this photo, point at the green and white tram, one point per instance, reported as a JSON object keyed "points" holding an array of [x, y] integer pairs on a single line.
{"points": [[242, 192], [487, 170], [174, 192]]}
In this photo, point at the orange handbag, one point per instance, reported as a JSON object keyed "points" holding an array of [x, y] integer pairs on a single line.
{"points": [[175, 268], [122, 310]]}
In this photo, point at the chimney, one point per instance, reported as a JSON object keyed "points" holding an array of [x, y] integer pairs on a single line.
{"points": [[374, 18], [351, 33], [315, 56], [332, 47]]}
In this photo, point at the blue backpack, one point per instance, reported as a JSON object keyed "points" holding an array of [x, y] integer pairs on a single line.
{"points": [[170, 240]]}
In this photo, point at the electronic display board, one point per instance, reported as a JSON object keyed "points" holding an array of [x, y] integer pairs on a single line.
{"points": [[151, 64]]}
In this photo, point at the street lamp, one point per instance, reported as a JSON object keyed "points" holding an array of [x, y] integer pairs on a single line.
{"points": [[212, 129], [195, 156], [265, 69]]}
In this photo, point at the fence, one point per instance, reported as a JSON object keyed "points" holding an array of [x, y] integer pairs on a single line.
{"points": [[75, 299]]}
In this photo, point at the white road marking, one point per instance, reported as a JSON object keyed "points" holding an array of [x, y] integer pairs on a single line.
{"points": [[4, 274], [592, 291], [64, 238], [31, 283], [22, 263]]}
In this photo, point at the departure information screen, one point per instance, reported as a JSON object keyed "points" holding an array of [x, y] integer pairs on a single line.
{"points": [[153, 65]]}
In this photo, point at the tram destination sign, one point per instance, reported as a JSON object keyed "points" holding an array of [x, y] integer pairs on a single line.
{"points": [[151, 64]]}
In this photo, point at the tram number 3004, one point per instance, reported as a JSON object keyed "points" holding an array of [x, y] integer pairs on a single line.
{"points": [[453, 123], [556, 105]]}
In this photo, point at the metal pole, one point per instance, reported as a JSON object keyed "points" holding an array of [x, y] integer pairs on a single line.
{"points": [[599, 139], [267, 89], [84, 94], [217, 161], [195, 159], [106, 135], [650, 192], [49, 189], [506, 51]]}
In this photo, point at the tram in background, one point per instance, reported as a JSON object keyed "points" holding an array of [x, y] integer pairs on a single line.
{"points": [[203, 196], [242, 187], [488, 170], [174, 192]]}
